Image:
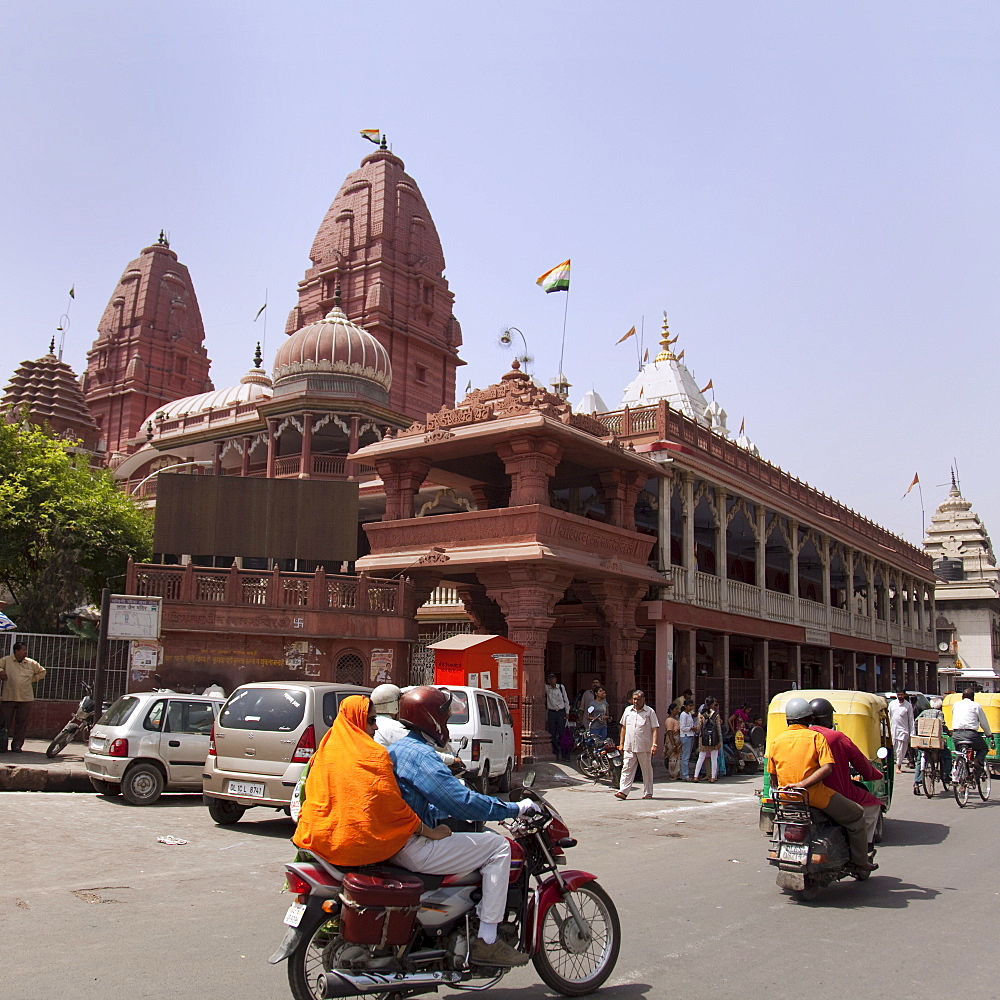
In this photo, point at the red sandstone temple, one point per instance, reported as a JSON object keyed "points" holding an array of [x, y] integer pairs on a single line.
{"points": [[642, 545]]}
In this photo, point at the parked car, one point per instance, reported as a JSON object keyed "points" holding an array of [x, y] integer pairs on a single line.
{"points": [[482, 716], [262, 741], [150, 742]]}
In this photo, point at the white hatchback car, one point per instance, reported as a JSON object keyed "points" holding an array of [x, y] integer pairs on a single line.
{"points": [[482, 716], [150, 742]]}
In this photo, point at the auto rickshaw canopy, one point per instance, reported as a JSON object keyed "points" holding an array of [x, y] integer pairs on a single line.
{"points": [[860, 715], [989, 700]]}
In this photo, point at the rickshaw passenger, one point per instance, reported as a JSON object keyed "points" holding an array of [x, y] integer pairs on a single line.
{"points": [[847, 753], [801, 758]]}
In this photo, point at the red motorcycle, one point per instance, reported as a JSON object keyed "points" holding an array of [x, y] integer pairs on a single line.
{"points": [[382, 931]]}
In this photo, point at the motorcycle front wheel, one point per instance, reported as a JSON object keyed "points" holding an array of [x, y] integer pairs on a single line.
{"points": [[569, 962], [318, 951], [60, 743], [587, 764]]}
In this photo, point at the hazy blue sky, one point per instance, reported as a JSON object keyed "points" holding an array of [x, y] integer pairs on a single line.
{"points": [[809, 189]]}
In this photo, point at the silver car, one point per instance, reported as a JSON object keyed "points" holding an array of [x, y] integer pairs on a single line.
{"points": [[150, 742]]}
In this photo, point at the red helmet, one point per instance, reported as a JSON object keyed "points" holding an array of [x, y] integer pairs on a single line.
{"points": [[427, 709]]}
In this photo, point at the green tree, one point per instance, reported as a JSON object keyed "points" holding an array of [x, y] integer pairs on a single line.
{"points": [[66, 529]]}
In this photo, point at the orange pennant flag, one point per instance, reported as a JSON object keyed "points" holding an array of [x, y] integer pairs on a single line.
{"points": [[743, 424], [680, 357], [916, 479], [707, 387], [631, 333]]}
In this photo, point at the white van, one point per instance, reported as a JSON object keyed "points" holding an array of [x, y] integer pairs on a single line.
{"points": [[483, 717]]}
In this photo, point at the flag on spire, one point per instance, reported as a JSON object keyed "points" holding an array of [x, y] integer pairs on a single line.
{"points": [[556, 279], [72, 292], [916, 479], [743, 425], [707, 387], [631, 333], [372, 135], [680, 357], [645, 357], [259, 311]]}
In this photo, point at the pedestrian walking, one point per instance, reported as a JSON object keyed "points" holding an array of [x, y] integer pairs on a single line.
{"points": [[672, 746], [17, 697], [556, 707], [689, 737], [900, 726], [709, 738], [637, 741]]}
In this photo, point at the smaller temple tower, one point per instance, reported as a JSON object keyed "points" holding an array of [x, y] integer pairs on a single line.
{"points": [[150, 347]]}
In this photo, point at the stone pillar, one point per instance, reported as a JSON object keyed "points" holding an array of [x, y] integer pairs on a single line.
{"points": [[825, 556], [761, 556], [530, 462], [272, 446], [245, 457], [761, 667], [305, 456], [720, 652], [619, 601], [793, 569], [664, 669], [687, 650], [620, 490], [217, 459], [687, 543], [828, 667], [350, 468], [722, 554], [402, 479], [527, 595], [851, 670], [487, 496], [795, 662], [850, 591], [486, 616]]}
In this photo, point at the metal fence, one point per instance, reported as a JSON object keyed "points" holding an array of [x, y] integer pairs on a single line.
{"points": [[69, 661], [422, 658]]}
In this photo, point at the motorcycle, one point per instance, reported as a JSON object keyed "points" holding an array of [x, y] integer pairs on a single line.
{"points": [[809, 849], [383, 931], [599, 757], [744, 751], [81, 720]]}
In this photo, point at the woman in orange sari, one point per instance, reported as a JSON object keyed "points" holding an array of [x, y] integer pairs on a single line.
{"points": [[353, 813]]}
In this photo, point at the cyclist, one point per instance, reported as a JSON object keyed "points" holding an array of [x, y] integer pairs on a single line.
{"points": [[934, 712], [967, 717]]}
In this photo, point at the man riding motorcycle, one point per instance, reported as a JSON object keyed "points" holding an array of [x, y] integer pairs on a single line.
{"points": [[846, 754], [388, 728], [434, 794], [801, 758]]}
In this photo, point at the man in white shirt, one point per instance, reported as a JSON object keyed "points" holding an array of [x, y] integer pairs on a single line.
{"points": [[556, 707], [637, 741], [900, 726], [689, 736], [967, 716]]}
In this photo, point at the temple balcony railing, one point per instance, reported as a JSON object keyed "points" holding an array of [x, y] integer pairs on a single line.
{"points": [[740, 598], [270, 588]]}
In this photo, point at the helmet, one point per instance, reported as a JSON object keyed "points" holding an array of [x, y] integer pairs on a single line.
{"points": [[426, 709], [822, 712], [797, 709], [385, 699]]}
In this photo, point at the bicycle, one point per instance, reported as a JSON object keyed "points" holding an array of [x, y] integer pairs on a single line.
{"points": [[933, 772], [966, 770]]}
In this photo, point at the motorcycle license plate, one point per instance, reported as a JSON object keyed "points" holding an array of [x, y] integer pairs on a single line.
{"points": [[794, 852], [616, 758], [246, 789], [294, 915]]}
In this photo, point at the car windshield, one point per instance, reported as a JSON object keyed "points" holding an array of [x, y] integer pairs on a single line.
{"points": [[276, 710], [119, 711], [459, 707]]}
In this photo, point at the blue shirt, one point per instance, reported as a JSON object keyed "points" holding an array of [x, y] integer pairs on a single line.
{"points": [[433, 792]]}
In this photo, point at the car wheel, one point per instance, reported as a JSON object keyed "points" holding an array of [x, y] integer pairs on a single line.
{"points": [[225, 812], [142, 784], [484, 778], [108, 788], [504, 781]]}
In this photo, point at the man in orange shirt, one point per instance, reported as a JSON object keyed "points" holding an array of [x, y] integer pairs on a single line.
{"points": [[801, 758]]}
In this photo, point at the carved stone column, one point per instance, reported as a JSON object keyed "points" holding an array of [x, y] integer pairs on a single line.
{"points": [[272, 447], [527, 595], [488, 497], [530, 462], [620, 489], [305, 456], [619, 601], [484, 612], [687, 535], [217, 458], [402, 478], [245, 457]]}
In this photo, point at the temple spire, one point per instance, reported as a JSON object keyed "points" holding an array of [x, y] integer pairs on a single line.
{"points": [[666, 342]]}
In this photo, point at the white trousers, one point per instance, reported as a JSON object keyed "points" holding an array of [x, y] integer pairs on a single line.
{"points": [[633, 759], [702, 755], [900, 747], [463, 852]]}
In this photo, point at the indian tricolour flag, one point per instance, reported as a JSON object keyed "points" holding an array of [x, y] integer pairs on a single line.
{"points": [[556, 279], [372, 135]]}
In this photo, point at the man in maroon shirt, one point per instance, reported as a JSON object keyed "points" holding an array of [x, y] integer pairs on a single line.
{"points": [[846, 754]]}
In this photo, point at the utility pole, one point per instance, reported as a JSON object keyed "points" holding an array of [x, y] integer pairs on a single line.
{"points": [[102, 654]]}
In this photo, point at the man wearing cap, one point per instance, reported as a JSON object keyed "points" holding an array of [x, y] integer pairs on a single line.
{"points": [[800, 758]]}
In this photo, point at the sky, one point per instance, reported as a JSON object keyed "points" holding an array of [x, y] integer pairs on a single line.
{"points": [[808, 189]]}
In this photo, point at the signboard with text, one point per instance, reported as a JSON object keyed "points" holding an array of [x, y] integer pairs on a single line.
{"points": [[131, 617]]}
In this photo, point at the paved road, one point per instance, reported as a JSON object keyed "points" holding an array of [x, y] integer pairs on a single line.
{"points": [[92, 907]]}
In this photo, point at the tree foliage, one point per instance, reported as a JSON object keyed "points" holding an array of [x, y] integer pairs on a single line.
{"points": [[66, 529]]}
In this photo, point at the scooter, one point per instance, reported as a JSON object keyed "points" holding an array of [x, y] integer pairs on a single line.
{"points": [[808, 848], [383, 931], [81, 720]]}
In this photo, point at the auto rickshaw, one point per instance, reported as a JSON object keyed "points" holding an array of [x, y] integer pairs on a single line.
{"points": [[991, 706], [862, 716]]}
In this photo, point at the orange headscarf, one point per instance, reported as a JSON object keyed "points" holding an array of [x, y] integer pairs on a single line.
{"points": [[353, 813]]}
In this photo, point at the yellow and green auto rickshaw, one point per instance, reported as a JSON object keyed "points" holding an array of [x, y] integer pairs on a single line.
{"points": [[991, 706], [860, 715]]}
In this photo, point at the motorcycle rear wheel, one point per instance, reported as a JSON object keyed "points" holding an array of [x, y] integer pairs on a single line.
{"points": [[60, 743], [569, 964], [588, 765], [314, 954]]}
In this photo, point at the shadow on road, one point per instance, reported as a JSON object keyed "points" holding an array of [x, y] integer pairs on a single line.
{"points": [[911, 832], [880, 892], [626, 991]]}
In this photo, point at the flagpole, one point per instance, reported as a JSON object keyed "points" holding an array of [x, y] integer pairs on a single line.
{"points": [[264, 346], [562, 347], [923, 529], [642, 338]]}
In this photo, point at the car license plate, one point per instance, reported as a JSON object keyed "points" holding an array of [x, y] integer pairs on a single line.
{"points": [[97, 743], [246, 789], [294, 915], [794, 852]]}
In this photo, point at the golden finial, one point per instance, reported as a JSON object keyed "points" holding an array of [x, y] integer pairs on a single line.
{"points": [[666, 341]]}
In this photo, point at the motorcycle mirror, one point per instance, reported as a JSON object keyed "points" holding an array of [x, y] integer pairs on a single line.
{"points": [[463, 742], [529, 780], [882, 753]]}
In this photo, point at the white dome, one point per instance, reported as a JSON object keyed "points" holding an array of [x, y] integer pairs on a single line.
{"points": [[254, 386]]}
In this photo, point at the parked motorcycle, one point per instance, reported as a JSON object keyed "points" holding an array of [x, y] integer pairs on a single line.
{"points": [[808, 848], [80, 722], [598, 757], [744, 751], [383, 931]]}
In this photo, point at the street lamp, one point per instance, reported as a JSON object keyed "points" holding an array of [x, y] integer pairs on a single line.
{"points": [[205, 464]]}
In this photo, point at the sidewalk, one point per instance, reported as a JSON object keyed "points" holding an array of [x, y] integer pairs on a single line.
{"points": [[31, 771]]}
